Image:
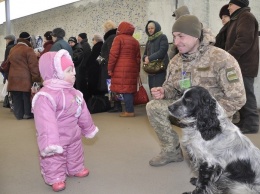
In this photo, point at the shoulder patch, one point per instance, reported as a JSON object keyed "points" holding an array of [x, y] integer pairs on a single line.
{"points": [[231, 75]]}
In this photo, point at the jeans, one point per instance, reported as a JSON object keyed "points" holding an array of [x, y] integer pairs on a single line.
{"points": [[129, 102], [22, 104]]}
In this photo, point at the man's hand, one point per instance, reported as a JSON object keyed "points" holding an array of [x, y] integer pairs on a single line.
{"points": [[157, 93]]}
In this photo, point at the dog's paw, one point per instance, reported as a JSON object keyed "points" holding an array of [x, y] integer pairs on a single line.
{"points": [[193, 181]]}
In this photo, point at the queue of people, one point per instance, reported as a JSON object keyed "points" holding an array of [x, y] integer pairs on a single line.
{"points": [[226, 68]]}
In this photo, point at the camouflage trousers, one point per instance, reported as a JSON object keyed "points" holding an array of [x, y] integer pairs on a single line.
{"points": [[158, 115]]}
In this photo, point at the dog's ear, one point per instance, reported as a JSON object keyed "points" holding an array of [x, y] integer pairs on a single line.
{"points": [[207, 120]]}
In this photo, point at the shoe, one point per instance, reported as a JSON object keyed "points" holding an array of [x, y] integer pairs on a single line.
{"points": [[58, 186], [28, 116], [166, 157], [83, 173], [247, 131], [127, 114], [116, 108]]}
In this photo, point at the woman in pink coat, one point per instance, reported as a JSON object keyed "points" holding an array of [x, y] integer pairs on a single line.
{"points": [[61, 117]]}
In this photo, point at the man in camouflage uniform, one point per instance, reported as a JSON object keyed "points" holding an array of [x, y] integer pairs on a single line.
{"points": [[198, 63]]}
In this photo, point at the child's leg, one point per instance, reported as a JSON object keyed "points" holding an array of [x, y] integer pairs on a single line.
{"points": [[53, 168], [75, 158]]}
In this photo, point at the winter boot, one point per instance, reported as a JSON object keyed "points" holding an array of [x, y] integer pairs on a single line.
{"points": [[166, 157], [116, 108]]}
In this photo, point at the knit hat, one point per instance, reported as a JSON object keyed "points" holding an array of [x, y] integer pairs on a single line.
{"points": [[52, 64], [224, 11], [10, 37], [25, 35], [58, 32], [240, 3], [98, 38], [47, 35], [83, 35], [73, 39], [183, 10], [188, 24]]}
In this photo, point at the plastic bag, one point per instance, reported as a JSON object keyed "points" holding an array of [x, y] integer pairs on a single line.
{"points": [[4, 90]]}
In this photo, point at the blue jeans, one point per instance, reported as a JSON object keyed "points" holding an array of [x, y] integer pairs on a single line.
{"points": [[129, 102]]}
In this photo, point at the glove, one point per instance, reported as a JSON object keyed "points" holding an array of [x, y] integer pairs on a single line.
{"points": [[51, 150]]}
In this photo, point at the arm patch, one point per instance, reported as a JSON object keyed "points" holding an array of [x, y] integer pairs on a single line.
{"points": [[231, 75]]}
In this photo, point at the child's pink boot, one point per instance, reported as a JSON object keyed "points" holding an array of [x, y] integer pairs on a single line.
{"points": [[58, 186], [83, 173]]}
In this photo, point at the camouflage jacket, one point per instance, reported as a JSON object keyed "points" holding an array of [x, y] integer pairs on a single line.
{"points": [[212, 68]]}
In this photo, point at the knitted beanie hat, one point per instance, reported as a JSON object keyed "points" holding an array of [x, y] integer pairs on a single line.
{"points": [[52, 64], [83, 35], [224, 11], [25, 35], [73, 39], [240, 3], [183, 10], [58, 32], [188, 24]]}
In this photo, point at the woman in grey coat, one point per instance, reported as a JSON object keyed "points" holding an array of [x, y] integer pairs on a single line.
{"points": [[156, 48]]}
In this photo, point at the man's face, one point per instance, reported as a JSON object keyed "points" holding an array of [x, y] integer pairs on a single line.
{"points": [[185, 43], [232, 8], [71, 43], [79, 39]]}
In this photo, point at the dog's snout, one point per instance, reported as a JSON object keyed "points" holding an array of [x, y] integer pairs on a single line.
{"points": [[171, 108]]}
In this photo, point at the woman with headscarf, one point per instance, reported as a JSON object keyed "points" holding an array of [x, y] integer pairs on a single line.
{"points": [[156, 48]]}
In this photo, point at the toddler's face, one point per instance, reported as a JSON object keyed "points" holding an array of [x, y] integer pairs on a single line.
{"points": [[69, 74]]}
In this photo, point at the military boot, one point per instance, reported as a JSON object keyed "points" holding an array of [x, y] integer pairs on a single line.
{"points": [[166, 157]]}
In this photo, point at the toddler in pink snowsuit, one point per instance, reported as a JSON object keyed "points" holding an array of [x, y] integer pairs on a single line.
{"points": [[61, 118]]}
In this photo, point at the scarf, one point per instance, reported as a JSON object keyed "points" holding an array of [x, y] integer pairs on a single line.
{"points": [[154, 36], [57, 84]]}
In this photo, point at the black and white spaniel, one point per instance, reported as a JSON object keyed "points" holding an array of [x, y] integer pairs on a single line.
{"points": [[223, 159]]}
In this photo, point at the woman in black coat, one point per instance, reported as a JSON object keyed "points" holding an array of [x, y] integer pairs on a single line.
{"points": [[93, 67]]}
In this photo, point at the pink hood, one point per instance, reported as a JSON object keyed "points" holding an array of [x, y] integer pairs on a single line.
{"points": [[50, 64]]}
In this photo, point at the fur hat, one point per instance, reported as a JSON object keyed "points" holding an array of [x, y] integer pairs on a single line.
{"points": [[183, 10], [10, 37], [240, 3], [47, 35], [98, 38], [83, 35], [188, 24], [224, 11], [58, 32], [73, 39], [52, 64], [25, 35]]}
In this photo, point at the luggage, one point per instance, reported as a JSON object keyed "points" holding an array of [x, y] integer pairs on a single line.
{"points": [[98, 103]]}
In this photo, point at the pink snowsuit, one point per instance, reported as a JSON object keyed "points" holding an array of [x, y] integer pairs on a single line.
{"points": [[61, 118]]}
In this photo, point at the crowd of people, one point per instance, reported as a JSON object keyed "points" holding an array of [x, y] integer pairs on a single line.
{"points": [[225, 65]]}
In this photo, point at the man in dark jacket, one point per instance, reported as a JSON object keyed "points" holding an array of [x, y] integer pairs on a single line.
{"points": [[243, 43], [59, 43]]}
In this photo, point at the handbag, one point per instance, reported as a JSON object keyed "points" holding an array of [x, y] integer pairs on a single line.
{"points": [[5, 65], [154, 67], [140, 97], [98, 103]]}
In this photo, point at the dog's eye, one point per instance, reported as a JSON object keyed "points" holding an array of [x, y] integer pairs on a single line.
{"points": [[188, 100]]}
